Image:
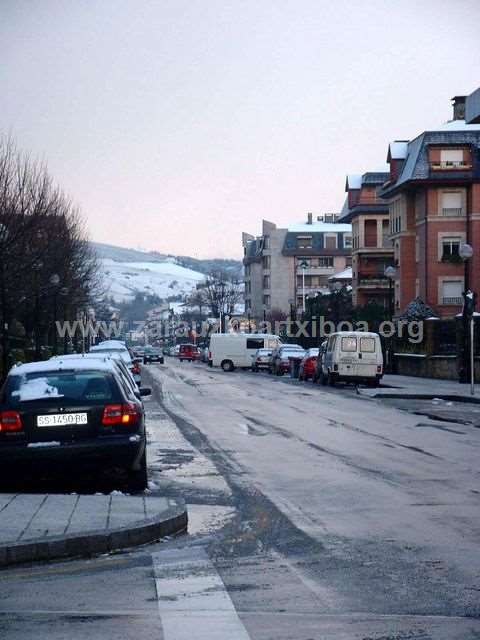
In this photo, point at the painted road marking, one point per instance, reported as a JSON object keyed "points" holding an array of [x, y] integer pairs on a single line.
{"points": [[192, 599]]}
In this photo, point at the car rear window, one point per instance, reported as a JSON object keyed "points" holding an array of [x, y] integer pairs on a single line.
{"points": [[71, 386], [349, 344], [367, 345]]}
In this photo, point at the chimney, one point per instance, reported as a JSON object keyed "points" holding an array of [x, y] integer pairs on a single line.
{"points": [[309, 218], [458, 103]]}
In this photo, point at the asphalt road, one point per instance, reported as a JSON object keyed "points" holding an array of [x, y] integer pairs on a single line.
{"points": [[315, 514]]}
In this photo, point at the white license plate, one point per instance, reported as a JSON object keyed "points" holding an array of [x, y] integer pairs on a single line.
{"points": [[62, 419]]}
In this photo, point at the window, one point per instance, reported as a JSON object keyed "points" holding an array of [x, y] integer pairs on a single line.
{"points": [[396, 212], [266, 300], [370, 233], [255, 343], [325, 262], [349, 344], [266, 262], [367, 345], [452, 202], [451, 249], [330, 241], [304, 242], [266, 282], [452, 292], [347, 241], [266, 242], [451, 157]]}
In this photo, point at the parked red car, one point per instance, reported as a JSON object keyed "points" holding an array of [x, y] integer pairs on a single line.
{"points": [[189, 352], [308, 365]]}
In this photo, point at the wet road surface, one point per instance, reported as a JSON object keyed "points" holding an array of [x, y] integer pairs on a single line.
{"points": [[314, 514]]}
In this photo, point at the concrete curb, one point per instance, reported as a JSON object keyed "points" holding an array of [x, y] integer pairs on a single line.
{"points": [[171, 521], [422, 396]]}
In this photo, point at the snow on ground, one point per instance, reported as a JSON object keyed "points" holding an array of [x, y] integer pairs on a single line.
{"points": [[124, 279]]}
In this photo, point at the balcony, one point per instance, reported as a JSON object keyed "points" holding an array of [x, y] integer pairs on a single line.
{"points": [[453, 301], [315, 271], [372, 283], [452, 212], [449, 165]]}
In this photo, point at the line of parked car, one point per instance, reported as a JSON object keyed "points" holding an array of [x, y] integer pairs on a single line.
{"points": [[353, 356], [344, 357], [78, 409]]}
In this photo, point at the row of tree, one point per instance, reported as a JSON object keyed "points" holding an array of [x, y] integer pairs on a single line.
{"points": [[48, 271]]}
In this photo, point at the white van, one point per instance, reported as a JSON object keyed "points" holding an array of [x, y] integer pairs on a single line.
{"points": [[230, 350], [352, 356]]}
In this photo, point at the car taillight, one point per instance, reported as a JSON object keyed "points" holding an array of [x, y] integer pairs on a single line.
{"points": [[10, 421], [119, 414], [209, 355], [379, 368]]}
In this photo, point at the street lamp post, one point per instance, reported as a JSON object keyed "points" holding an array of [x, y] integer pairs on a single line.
{"points": [[390, 273], [467, 369], [3, 300], [37, 267], [55, 281]]}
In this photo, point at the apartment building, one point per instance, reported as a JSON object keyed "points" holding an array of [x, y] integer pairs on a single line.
{"points": [[284, 266], [372, 249], [433, 194]]}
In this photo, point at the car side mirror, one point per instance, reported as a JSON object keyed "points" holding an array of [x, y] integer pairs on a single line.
{"points": [[145, 391]]}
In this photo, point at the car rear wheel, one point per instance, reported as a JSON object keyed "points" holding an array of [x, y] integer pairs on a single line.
{"points": [[137, 478], [227, 365], [331, 380]]}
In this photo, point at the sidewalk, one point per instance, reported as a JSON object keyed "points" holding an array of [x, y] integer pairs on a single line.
{"points": [[46, 526], [393, 386]]}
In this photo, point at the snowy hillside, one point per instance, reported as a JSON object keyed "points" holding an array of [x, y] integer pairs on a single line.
{"points": [[164, 279]]}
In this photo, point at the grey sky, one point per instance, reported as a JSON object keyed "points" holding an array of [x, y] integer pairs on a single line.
{"points": [[175, 125]]}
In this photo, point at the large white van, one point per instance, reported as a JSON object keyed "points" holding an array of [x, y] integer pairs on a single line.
{"points": [[230, 350], [352, 356]]}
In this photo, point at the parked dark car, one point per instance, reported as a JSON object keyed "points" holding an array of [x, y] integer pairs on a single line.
{"points": [[77, 412], [318, 365], [153, 354], [280, 362]]}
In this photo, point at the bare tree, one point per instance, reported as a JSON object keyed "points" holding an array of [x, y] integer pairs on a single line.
{"points": [[222, 292], [46, 265]]}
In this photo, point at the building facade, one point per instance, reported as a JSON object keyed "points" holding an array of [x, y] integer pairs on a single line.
{"points": [[372, 249], [433, 194], [284, 266]]}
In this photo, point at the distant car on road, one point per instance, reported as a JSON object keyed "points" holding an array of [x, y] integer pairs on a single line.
{"points": [[280, 362], [308, 364], [153, 354], [261, 359], [188, 352], [62, 413]]}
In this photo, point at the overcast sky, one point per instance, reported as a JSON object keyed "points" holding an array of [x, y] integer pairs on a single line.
{"points": [[176, 125]]}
